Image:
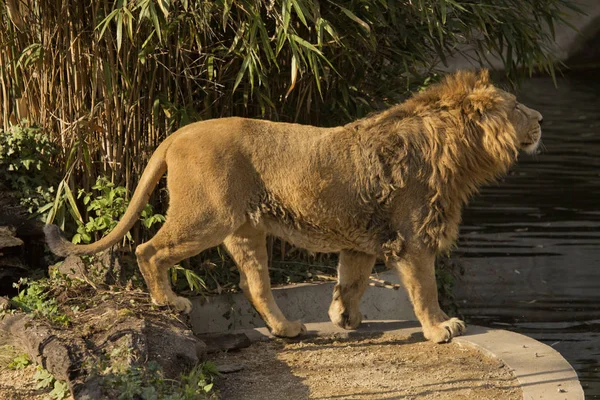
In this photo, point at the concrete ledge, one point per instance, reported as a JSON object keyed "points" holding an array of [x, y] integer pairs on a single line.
{"points": [[541, 371], [308, 302]]}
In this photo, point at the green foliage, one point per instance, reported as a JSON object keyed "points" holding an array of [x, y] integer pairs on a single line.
{"points": [[60, 390], [26, 156], [20, 362], [147, 382], [194, 281], [107, 206], [44, 379], [36, 300]]}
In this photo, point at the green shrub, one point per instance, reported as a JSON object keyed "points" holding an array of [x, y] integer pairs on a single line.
{"points": [[107, 204], [26, 157]]}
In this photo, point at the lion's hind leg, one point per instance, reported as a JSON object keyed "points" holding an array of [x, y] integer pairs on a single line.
{"points": [[173, 243], [248, 248], [354, 269], [417, 270]]}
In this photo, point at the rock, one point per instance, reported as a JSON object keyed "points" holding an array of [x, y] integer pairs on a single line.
{"points": [[8, 237], [116, 335], [43, 345], [109, 267], [73, 267], [225, 341], [176, 350], [230, 368], [105, 269], [4, 303]]}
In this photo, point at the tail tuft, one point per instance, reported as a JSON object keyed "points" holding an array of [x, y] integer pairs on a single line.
{"points": [[58, 245]]}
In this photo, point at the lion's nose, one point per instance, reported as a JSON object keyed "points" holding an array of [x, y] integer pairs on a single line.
{"points": [[540, 120]]}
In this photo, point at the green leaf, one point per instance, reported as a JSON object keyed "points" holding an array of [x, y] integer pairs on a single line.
{"points": [[106, 21], [354, 18], [240, 74], [43, 378], [119, 30], [20, 362], [60, 391], [305, 44]]}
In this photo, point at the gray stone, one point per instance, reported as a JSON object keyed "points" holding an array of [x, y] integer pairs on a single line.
{"points": [[8, 238]]}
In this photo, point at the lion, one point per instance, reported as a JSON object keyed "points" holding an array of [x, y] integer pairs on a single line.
{"points": [[390, 186]]}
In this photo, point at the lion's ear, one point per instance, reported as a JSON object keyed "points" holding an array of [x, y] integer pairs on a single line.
{"points": [[484, 78], [478, 102]]}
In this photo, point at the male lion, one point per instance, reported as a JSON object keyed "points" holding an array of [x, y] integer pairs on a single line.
{"points": [[391, 185]]}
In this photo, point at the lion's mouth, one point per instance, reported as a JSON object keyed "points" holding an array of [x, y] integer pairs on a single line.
{"points": [[530, 147]]}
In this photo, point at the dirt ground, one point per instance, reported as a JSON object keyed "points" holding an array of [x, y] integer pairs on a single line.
{"points": [[370, 367], [18, 384]]}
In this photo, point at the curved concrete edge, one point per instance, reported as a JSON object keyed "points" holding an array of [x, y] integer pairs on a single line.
{"points": [[540, 370]]}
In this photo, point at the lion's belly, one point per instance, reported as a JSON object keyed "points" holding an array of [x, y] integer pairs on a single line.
{"points": [[318, 241]]}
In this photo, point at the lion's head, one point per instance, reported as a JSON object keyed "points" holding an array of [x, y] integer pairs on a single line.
{"points": [[527, 123], [485, 113]]}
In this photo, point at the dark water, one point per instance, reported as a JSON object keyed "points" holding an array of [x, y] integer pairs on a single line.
{"points": [[530, 246]]}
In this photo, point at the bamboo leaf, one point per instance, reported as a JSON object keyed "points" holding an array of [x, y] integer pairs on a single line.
{"points": [[300, 11], [155, 19], [106, 21], [354, 18], [305, 44], [119, 31], [443, 10], [164, 7], [286, 14], [294, 75], [56, 204], [71, 199], [242, 71]]}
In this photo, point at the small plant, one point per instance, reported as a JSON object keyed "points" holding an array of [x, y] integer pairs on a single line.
{"points": [[20, 362], [108, 203], [194, 281], [45, 379], [147, 382], [36, 300]]}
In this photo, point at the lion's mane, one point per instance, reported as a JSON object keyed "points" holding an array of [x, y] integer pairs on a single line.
{"points": [[453, 137]]}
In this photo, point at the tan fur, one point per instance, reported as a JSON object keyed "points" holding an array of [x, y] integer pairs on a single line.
{"points": [[391, 185]]}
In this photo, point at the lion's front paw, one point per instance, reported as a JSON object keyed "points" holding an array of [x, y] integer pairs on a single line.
{"points": [[445, 331], [289, 329]]}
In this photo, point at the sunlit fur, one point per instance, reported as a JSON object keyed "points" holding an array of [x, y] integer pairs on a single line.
{"points": [[391, 185], [455, 136]]}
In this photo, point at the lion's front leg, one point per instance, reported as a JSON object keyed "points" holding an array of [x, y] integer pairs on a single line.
{"points": [[353, 277], [417, 270]]}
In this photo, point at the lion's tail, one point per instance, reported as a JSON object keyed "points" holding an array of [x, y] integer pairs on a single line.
{"points": [[155, 169]]}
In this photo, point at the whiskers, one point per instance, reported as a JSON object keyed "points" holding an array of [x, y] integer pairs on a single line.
{"points": [[541, 148]]}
